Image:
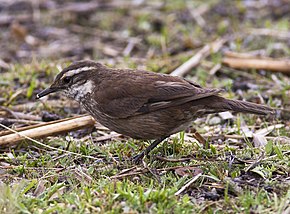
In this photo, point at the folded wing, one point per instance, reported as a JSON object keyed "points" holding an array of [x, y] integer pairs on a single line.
{"points": [[145, 92]]}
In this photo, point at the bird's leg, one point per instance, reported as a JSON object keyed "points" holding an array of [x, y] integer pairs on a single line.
{"points": [[137, 158]]}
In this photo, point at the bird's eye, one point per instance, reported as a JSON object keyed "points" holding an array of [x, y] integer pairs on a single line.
{"points": [[66, 79]]}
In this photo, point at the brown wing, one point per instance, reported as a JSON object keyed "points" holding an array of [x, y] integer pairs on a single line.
{"points": [[130, 93]]}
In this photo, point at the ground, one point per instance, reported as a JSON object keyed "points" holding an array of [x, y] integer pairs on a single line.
{"points": [[242, 168]]}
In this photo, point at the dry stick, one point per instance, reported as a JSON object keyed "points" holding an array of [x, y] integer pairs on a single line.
{"points": [[188, 184], [187, 159], [214, 69], [255, 163], [6, 132], [173, 159], [266, 64], [28, 122], [47, 130], [90, 7], [245, 55], [106, 137], [197, 13], [48, 103], [82, 176], [151, 171], [234, 136], [274, 156], [47, 146], [269, 32], [198, 137], [130, 174], [139, 171], [19, 115], [195, 60], [128, 170]]}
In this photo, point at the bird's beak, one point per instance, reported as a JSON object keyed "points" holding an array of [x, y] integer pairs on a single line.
{"points": [[46, 92]]}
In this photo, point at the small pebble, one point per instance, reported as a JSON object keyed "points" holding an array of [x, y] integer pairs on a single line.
{"points": [[215, 121]]}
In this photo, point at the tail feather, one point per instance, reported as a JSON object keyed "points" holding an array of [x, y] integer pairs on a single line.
{"points": [[215, 104], [247, 107]]}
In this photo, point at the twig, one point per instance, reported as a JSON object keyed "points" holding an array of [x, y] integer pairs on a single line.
{"points": [[29, 122], [245, 55], [6, 132], [139, 171], [274, 156], [172, 159], [128, 170], [195, 60], [187, 159], [266, 64], [129, 174], [48, 103], [33, 168], [20, 115], [182, 189], [106, 137], [233, 136], [255, 163], [198, 137], [197, 13], [130, 46], [82, 176], [151, 171], [89, 7], [269, 32], [203, 209], [214, 69], [46, 130], [47, 146]]}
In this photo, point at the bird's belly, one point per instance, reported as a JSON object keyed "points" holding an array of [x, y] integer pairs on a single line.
{"points": [[146, 126]]}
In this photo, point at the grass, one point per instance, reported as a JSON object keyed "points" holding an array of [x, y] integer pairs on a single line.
{"points": [[42, 181], [237, 177]]}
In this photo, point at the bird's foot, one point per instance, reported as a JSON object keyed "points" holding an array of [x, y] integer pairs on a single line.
{"points": [[137, 158]]}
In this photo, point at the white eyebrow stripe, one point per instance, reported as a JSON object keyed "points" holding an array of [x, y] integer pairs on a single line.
{"points": [[77, 71]]}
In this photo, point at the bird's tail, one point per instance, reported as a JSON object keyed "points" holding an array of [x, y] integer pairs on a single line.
{"points": [[247, 107], [215, 103]]}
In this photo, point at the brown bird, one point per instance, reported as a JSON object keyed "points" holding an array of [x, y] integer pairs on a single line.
{"points": [[141, 104]]}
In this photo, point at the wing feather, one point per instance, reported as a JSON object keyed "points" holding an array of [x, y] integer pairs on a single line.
{"points": [[144, 92]]}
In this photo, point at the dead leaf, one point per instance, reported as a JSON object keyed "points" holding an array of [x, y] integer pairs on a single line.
{"points": [[40, 188], [268, 130], [259, 140], [188, 171], [18, 31]]}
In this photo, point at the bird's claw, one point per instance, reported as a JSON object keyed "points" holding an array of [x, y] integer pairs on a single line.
{"points": [[137, 158]]}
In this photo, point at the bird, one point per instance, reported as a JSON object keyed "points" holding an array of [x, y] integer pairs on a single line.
{"points": [[141, 104]]}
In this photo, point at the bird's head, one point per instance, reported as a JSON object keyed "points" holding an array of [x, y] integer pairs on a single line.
{"points": [[75, 81]]}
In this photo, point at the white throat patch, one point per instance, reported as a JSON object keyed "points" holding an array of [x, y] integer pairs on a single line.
{"points": [[78, 92]]}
